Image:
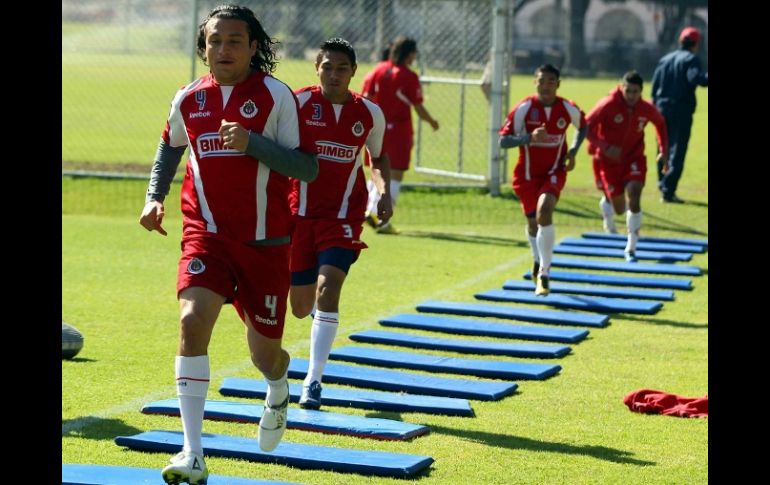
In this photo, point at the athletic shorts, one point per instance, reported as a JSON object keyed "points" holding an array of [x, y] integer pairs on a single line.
{"points": [[597, 175], [397, 143], [528, 191], [312, 236], [615, 176], [254, 278]]}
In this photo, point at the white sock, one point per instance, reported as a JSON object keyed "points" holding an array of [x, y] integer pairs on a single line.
{"points": [[374, 198], [322, 335], [277, 390], [545, 239], [395, 190], [192, 385], [633, 224], [533, 246], [608, 213]]}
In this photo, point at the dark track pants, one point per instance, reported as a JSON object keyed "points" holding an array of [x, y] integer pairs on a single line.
{"points": [[678, 124]]}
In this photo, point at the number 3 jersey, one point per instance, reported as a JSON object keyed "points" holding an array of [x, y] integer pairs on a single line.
{"points": [[339, 132], [225, 191]]}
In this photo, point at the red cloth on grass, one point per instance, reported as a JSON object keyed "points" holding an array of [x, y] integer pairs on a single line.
{"points": [[658, 402]]}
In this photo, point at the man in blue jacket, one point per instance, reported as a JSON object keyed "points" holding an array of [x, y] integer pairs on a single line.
{"points": [[673, 91]]}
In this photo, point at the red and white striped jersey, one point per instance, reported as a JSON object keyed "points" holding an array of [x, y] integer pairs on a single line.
{"points": [[339, 131], [540, 159], [225, 191]]}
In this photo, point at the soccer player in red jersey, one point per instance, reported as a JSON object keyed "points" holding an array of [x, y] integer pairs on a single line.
{"points": [[330, 210], [616, 143], [241, 126], [538, 126], [396, 89]]}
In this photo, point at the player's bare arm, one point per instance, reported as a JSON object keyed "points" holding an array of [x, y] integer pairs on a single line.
{"points": [[380, 170], [425, 116]]}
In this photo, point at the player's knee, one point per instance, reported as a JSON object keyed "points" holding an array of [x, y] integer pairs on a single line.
{"points": [[191, 323], [301, 309]]}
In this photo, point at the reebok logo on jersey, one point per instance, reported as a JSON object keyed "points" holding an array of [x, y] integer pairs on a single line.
{"points": [[200, 114], [335, 152], [210, 144]]}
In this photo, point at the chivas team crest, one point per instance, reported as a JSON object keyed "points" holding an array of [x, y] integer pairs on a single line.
{"points": [[249, 109], [196, 266], [561, 123], [358, 128]]}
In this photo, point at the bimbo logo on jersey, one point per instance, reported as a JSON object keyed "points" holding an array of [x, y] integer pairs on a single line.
{"points": [[335, 152], [210, 144]]}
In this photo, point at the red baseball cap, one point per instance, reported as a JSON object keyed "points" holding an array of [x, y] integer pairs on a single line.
{"points": [[689, 33]]}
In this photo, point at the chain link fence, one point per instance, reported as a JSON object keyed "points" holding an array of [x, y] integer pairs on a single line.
{"points": [[123, 60]]}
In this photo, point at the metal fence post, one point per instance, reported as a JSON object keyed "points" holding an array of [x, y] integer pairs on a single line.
{"points": [[497, 54]]}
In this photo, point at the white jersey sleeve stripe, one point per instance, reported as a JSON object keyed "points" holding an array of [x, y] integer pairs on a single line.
{"points": [[263, 176], [574, 114], [302, 199], [374, 140], [403, 97], [211, 225], [303, 97], [518, 117], [177, 135], [283, 122], [519, 129], [343, 213]]}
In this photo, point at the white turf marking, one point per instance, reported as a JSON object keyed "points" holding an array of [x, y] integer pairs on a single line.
{"points": [[135, 404]]}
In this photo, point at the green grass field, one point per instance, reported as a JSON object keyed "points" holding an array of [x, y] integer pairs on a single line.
{"points": [[118, 289]]}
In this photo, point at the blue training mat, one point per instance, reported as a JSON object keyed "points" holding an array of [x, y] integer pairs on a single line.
{"points": [[580, 263], [577, 302], [603, 279], [77, 474], [484, 328], [593, 290], [439, 363], [515, 313], [618, 253], [671, 240], [355, 398], [391, 380], [464, 346], [304, 419], [621, 244], [298, 455]]}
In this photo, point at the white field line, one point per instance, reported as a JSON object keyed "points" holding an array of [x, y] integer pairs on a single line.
{"points": [[78, 424]]}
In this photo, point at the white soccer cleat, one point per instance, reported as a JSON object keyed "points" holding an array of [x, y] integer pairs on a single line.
{"points": [[188, 467], [272, 424]]}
